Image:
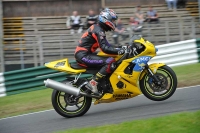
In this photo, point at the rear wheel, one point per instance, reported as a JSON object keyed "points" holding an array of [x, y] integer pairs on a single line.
{"points": [[163, 91], [69, 105]]}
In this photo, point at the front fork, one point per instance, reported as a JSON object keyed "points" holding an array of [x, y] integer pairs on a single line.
{"points": [[156, 79]]}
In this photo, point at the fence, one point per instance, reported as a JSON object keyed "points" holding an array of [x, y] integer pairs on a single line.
{"points": [[21, 8], [173, 54], [35, 50], [31, 41]]}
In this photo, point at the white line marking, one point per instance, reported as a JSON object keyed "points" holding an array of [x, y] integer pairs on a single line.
{"points": [[26, 114], [189, 87], [53, 109], [180, 88]]}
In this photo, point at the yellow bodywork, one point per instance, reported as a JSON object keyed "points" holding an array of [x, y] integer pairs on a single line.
{"points": [[101, 53], [131, 87], [153, 68], [130, 81], [63, 65]]}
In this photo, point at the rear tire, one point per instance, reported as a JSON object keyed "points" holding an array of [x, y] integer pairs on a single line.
{"points": [[165, 90], [64, 104]]}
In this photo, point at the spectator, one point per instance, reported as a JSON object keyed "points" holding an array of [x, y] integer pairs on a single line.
{"points": [[152, 15], [181, 3], [91, 18], [170, 2], [139, 15], [134, 25], [119, 31], [74, 22]]}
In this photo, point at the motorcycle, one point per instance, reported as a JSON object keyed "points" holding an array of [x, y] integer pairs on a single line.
{"points": [[132, 77]]}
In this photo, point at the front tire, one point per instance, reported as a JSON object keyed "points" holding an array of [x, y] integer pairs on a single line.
{"points": [[159, 92], [68, 105]]}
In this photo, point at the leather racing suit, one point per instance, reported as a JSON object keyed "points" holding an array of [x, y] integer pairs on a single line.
{"points": [[85, 55]]}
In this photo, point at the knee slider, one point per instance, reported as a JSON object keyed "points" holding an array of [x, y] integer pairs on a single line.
{"points": [[111, 65]]}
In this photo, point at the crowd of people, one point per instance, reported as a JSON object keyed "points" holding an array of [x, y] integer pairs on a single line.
{"points": [[74, 22], [76, 25], [174, 4], [135, 22]]}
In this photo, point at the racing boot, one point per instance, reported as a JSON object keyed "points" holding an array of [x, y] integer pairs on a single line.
{"points": [[92, 85]]}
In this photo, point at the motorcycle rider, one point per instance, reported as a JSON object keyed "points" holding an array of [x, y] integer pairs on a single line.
{"points": [[95, 38]]}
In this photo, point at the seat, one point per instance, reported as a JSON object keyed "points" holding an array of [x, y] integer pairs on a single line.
{"points": [[75, 65], [64, 65]]}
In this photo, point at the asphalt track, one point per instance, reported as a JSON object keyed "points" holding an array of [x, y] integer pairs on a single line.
{"points": [[187, 99]]}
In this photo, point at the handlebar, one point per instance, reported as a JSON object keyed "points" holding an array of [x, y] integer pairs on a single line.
{"points": [[130, 51], [124, 56]]}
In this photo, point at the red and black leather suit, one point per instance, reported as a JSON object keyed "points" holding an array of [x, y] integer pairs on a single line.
{"points": [[85, 55]]}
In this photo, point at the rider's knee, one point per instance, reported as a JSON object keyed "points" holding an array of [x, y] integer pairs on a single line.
{"points": [[111, 65]]}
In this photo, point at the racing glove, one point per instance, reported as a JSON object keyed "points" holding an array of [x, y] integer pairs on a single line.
{"points": [[121, 51]]}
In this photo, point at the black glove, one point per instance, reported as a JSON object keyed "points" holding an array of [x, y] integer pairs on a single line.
{"points": [[121, 51]]}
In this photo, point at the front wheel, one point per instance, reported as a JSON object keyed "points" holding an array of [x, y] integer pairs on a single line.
{"points": [[163, 91], [68, 105]]}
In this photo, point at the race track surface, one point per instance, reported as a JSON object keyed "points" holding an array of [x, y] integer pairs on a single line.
{"points": [[137, 108]]}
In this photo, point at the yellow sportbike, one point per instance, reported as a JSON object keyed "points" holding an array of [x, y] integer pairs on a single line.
{"points": [[132, 77]]}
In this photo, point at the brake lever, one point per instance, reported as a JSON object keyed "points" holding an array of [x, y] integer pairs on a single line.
{"points": [[125, 48]]}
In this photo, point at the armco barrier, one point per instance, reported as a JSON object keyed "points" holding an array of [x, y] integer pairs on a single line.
{"points": [[173, 54], [21, 80], [26, 80], [178, 53]]}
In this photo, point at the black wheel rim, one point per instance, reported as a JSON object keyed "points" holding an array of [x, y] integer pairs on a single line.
{"points": [[69, 103], [166, 84]]}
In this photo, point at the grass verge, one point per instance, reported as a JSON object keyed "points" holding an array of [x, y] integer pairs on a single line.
{"points": [[188, 75], [25, 103], [41, 100], [187, 122]]}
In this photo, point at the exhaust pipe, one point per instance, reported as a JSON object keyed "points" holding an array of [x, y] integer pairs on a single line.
{"points": [[68, 88]]}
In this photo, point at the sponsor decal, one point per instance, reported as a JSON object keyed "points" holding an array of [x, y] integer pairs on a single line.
{"points": [[121, 96], [142, 59], [140, 62], [60, 64], [92, 61], [129, 76]]}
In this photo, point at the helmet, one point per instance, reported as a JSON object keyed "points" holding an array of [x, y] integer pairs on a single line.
{"points": [[107, 19]]}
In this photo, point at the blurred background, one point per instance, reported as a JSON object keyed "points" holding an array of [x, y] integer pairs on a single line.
{"points": [[33, 32]]}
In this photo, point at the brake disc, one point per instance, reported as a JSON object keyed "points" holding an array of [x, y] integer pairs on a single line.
{"points": [[70, 99], [158, 88]]}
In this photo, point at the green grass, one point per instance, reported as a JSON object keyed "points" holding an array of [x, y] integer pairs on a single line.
{"points": [[25, 103], [187, 122], [41, 100], [188, 75]]}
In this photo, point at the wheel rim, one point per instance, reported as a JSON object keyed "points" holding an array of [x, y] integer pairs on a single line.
{"points": [[68, 104], [166, 84]]}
